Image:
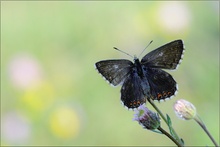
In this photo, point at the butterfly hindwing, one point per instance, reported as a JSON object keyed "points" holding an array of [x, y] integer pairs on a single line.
{"points": [[133, 90], [114, 71], [162, 84], [167, 56]]}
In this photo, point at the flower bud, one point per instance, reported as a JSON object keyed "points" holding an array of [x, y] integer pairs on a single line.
{"points": [[148, 119], [184, 109]]}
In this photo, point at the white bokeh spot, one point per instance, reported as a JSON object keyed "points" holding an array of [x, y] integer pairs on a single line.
{"points": [[174, 16]]}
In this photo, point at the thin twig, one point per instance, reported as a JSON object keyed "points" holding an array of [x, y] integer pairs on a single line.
{"points": [[199, 121]]}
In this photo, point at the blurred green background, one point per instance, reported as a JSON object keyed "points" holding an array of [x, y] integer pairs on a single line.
{"points": [[52, 95]]}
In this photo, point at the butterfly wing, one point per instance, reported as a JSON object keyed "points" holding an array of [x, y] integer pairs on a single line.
{"points": [[162, 84], [134, 90], [167, 56], [114, 71]]}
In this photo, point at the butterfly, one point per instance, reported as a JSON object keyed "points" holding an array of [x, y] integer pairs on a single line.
{"points": [[145, 79]]}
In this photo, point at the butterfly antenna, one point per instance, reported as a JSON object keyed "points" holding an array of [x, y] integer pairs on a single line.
{"points": [[145, 48], [123, 52]]}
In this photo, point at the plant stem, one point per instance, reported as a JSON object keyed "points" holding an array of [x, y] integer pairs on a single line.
{"points": [[163, 117], [155, 107], [200, 122], [168, 135]]}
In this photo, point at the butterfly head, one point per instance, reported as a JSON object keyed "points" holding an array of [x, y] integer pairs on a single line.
{"points": [[136, 58], [136, 61]]}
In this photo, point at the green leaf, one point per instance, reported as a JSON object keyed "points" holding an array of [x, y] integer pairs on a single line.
{"points": [[169, 123], [169, 120], [170, 126], [182, 141], [157, 131]]}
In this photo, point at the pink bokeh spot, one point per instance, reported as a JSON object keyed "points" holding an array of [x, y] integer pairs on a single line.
{"points": [[15, 128], [24, 71]]}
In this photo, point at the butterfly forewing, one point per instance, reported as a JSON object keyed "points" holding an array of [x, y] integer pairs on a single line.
{"points": [[114, 71], [167, 56]]}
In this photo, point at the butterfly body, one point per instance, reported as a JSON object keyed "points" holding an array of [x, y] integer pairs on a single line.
{"points": [[144, 79], [138, 68]]}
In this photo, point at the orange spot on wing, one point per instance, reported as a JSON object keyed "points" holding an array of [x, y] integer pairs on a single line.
{"points": [[164, 94], [159, 96]]}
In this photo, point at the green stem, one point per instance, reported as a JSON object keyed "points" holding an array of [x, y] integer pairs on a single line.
{"points": [[200, 122], [164, 118], [155, 107], [169, 136]]}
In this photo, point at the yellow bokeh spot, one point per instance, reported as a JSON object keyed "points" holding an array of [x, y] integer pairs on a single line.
{"points": [[38, 98], [64, 123]]}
